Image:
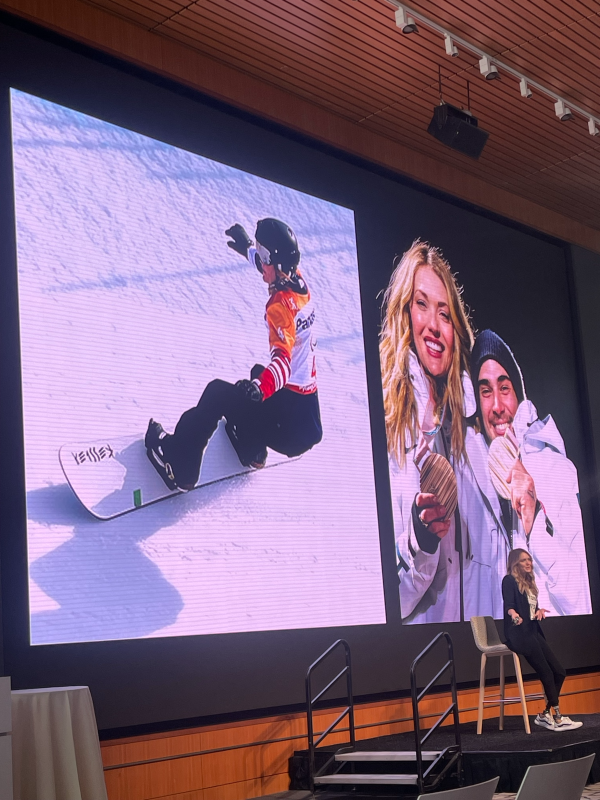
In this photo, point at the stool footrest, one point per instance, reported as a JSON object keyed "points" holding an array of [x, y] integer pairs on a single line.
{"points": [[498, 701], [515, 697]]}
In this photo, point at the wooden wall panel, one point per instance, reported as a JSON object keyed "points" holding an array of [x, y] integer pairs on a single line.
{"points": [[234, 791], [190, 66], [196, 795], [239, 773]]}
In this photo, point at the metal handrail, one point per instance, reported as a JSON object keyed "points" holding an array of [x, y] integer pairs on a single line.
{"points": [[433, 681], [455, 750], [311, 701]]}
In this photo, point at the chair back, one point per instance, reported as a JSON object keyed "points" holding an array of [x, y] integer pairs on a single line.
{"points": [[485, 633], [480, 791], [564, 780]]}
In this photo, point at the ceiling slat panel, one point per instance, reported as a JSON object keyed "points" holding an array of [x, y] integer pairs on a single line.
{"points": [[298, 35], [316, 90], [305, 53], [569, 78], [353, 97], [351, 59], [145, 12]]}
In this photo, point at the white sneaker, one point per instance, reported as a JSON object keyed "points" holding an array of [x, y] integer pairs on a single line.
{"points": [[565, 724], [545, 720]]}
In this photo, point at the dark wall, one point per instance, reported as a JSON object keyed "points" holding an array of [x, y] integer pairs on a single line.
{"points": [[515, 282], [586, 276], [585, 291]]}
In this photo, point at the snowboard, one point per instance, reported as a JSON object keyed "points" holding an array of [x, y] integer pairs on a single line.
{"points": [[113, 476]]}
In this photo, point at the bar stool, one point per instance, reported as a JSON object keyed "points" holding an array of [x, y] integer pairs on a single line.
{"points": [[488, 643]]}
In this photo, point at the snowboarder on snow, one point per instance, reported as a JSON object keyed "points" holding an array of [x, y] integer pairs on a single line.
{"points": [[279, 406]]}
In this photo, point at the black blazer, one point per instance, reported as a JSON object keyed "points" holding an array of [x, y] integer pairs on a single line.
{"points": [[515, 634]]}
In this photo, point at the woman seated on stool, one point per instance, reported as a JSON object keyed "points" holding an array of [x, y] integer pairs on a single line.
{"points": [[524, 636]]}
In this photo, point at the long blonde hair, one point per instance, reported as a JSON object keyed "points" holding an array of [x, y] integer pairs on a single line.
{"points": [[396, 341], [525, 580]]}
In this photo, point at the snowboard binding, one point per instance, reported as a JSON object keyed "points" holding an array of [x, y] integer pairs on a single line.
{"points": [[254, 460], [154, 442]]}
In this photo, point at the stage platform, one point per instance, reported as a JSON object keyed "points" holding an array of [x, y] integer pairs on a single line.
{"points": [[506, 753], [591, 792]]}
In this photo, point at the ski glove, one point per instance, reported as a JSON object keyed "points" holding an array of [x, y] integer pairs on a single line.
{"points": [[256, 371], [241, 241], [250, 390]]}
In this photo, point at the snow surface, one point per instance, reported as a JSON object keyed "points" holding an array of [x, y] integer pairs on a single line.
{"points": [[130, 302]]}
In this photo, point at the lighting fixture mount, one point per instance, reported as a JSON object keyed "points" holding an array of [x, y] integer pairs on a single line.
{"points": [[405, 22], [490, 67], [524, 87], [451, 48], [562, 112]]}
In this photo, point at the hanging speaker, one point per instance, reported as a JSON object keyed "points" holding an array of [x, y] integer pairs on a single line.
{"points": [[458, 129]]}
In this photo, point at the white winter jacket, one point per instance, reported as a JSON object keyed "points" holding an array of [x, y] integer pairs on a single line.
{"points": [[556, 541], [434, 574], [456, 577]]}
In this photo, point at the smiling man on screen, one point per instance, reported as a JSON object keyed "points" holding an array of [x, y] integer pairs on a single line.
{"points": [[537, 507]]}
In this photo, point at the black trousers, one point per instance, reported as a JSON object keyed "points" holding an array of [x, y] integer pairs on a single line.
{"points": [[546, 665], [287, 422]]}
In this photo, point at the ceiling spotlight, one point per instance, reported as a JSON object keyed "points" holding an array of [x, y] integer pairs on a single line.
{"points": [[488, 70], [451, 48], [562, 112], [592, 128], [525, 90], [404, 22]]}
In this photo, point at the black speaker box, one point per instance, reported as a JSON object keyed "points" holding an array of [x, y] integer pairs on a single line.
{"points": [[458, 129]]}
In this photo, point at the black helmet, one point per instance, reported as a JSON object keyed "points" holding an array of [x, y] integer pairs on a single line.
{"points": [[280, 241]]}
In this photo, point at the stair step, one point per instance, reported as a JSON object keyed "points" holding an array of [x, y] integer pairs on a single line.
{"points": [[387, 755], [347, 778]]}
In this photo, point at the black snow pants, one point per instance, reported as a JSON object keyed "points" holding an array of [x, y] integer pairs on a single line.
{"points": [[287, 422]]}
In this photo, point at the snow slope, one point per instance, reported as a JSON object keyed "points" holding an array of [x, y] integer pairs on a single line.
{"points": [[130, 302]]}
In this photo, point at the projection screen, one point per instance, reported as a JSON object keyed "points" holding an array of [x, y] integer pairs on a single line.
{"points": [[131, 304]]}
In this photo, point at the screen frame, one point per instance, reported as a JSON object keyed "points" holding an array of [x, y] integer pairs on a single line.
{"points": [[123, 675]]}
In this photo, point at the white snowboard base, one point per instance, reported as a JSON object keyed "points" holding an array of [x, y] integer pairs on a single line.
{"points": [[113, 476]]}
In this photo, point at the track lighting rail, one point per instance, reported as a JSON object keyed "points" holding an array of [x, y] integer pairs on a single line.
{"points": [[490, 66]]}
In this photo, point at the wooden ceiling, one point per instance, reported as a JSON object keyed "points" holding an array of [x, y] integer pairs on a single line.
{"points": [[348, 57]]}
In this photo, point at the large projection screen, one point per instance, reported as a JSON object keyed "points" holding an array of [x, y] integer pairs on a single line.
{"points": [[130, 303], [476, 472]]}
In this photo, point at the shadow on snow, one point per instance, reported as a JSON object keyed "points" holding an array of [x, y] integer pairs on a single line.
{"points": [[107, 588]]}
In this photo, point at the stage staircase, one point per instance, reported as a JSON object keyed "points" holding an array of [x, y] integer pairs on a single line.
{"points": [[414, 771]]}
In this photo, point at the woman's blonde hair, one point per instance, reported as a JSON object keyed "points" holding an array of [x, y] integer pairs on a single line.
{"points": [[525, 580], [396, 341]]}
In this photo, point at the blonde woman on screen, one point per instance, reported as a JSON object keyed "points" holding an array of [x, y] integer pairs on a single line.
{"points": [[424, 319], [425, 344]]}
